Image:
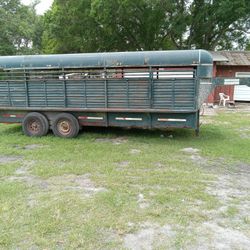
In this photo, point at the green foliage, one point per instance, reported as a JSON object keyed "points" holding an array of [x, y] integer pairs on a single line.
{"points": [[116, 25], [131, 25], [218, 24], [123, 25], [248, 46], [20, 28], [69, 27]]}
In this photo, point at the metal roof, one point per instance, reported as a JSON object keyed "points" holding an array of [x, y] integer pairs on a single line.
{"points": [[231, 58], [218, 57], [112, 59]]}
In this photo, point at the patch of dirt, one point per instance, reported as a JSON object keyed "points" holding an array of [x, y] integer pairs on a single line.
{"points": [[29, 146], [228, 187], [204, 121], [7, 159], [81, 183], [142, 202], [110, 235], [242, 168], [32, 146], [221, 123], [208, 121], [244, 133], [213, 236], [209, 110], [159, 165], [135, 151], [21, 171], [227, 226], [242, 107], [244, 136], [32, 201], [233, 189], [224, 230], [190, 150], [123, 164], [150, 236], [214, 109], [115, 141], [24, 170], [195, 156], [30, 180]]}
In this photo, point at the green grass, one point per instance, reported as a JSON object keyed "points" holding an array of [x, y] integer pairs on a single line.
{"points": [[169, 181]]}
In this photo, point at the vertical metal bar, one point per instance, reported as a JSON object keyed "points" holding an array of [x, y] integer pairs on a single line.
{"points": [[151, 87], [106, 88], [8, 86], [45, 92], [173, 93], [151, 119], [26, 88], [196, 89], [85, 94], [64, 92], [127, 90], [197, 129]]}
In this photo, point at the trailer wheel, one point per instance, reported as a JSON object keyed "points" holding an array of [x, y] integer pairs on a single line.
{"points": [[35, 124], [65, 125]]}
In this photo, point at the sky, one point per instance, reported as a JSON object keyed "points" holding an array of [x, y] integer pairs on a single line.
{"points": [[40, 8]]}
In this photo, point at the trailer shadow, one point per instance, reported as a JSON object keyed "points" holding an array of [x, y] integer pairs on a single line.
{"points": [[209, 133]]}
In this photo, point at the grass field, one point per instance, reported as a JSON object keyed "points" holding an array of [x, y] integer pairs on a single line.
{"points": [[128, 189]]}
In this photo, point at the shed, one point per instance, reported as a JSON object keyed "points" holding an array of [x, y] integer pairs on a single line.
{"points": [[231, 64]]}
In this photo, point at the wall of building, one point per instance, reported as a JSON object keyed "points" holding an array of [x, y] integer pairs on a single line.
{"points": [[225, 71], [230, 71]]}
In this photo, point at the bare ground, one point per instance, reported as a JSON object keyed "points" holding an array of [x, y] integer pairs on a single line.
{"points": [[227, 226], [7, 159], [81, 184], [115, 141], [150, 236]]}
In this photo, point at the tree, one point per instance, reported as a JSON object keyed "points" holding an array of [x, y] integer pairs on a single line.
{"points": [[218, 24], [18, 24], [116, 25], [69, 27], [132, 25], [101, 25]]}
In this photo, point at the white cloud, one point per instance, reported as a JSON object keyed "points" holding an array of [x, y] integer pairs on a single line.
{"points": [[42, 7]]}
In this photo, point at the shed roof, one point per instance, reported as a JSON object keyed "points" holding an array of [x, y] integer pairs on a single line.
{"points": [[231, 58]]}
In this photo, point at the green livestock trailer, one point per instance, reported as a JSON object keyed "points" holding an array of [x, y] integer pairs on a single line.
{"points": [[152, 89]]}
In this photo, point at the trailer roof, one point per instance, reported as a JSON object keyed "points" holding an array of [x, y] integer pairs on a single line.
{"points": [[111, 59]]}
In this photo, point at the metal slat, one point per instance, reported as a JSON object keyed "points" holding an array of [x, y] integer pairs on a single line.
{"points": [[143, 89]]}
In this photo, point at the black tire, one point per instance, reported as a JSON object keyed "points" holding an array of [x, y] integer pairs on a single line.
{"points": [[65, 125], [35, 124]]}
